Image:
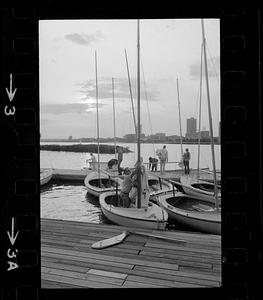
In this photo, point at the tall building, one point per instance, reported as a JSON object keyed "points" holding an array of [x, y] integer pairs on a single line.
{"points": [[191, 128], [204, 134]]}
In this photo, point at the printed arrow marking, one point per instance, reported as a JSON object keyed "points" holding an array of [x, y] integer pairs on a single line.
{"points": [[12, 237], [10, 93]]}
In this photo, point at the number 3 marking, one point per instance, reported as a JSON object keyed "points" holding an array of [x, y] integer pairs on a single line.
{"points": [[9, 111]]}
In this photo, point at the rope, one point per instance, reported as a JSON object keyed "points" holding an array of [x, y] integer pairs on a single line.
{"points": [[148, 110], [216, 74]]}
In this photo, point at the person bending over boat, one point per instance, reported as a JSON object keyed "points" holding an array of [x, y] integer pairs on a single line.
{"points": [[150, 163], [126, 188], [154, 164], [113, 162]]}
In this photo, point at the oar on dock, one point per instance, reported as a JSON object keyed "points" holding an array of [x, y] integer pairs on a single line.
{"points": [[115, 240]]}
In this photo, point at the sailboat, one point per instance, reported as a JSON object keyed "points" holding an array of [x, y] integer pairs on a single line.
{"points": [[100, 181], [200, 188], [45, 176], [194, 211], [180, 164], [194, 186], [156, 184], [149, 215]]}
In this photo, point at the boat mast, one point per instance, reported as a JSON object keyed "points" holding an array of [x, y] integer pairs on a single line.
{"points": [[129, 79], [199, 134], [138, 116], [97, 103], [114, 126], [210, 115], [178, 99]]}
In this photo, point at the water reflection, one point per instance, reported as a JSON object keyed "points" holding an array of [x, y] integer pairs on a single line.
{"points": [[69, 202], [72, 202]]}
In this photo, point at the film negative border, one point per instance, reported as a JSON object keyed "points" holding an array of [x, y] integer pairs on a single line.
{"points": [[20, 129], [240, 130]]}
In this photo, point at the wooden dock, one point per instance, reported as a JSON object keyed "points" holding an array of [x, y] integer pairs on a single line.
{"points": [[79, 175], [68, 261]]}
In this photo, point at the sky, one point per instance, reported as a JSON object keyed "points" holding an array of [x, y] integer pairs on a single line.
{"points": [[170, 51]]}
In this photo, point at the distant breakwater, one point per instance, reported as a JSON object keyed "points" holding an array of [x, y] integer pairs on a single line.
{"points": [[104, 149]]}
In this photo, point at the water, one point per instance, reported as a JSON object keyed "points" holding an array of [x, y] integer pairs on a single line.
{"points": [[70, 201], [71, 160]]}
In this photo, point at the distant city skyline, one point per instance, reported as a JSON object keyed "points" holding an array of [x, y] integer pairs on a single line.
{"points": [[170, 49], [191, 133]]}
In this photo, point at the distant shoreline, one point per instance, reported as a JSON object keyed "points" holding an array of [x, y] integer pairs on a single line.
{"points": [[185, 142], [83, 148]]}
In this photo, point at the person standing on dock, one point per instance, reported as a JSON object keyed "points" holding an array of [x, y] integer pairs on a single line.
{"points": [[92, 161], [150, 163], [120, 158], [186, 159], [163, 156]]}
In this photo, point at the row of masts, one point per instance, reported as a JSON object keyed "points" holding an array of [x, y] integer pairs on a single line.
{"points": [[138, 127]]}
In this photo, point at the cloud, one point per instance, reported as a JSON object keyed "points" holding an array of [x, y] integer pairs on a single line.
{"points": [[69, 108], [84, 39], [213, 68], [121, 89]]}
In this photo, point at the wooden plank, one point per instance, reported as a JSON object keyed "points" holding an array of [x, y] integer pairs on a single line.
{"points": [[135, 242], [196, 241], [180, 261], [191, 244], [85, 240], [47, 284], [107, 273], [194, 275], [103, 254], [76, 282], [111, 258], [132, 284], [203, 280], [60, 239], [193, 256], [170, 277], [90, 260], [71, 265], [89, 228], [64, 266], [66, 251], [176, 246], [165, 283], [182, 251], [82, 276], [191, 236], [84, 246], [196, 270]]}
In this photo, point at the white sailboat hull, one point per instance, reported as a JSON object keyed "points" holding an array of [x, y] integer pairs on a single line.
{"points": [[93, 177], [152, 217], [45, 176], [189, 189], [205, 221], [156, 188]]}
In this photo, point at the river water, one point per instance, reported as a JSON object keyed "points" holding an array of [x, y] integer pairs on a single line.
{"points": [[70, 201]]}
